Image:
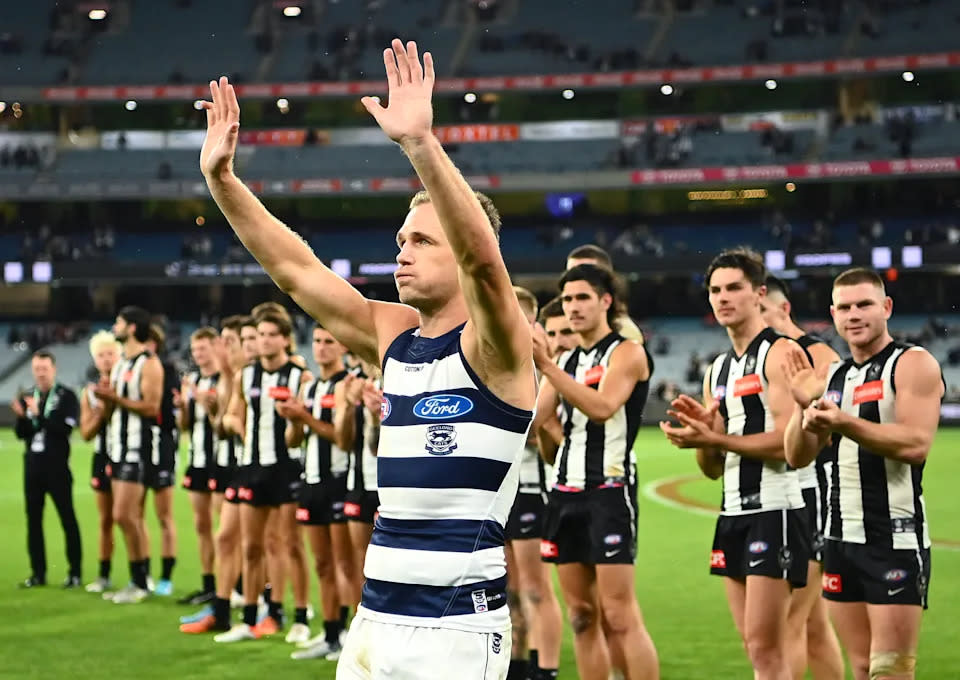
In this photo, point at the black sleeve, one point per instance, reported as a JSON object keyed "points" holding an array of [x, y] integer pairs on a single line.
{"points": [[25, 429], [63, 418]]}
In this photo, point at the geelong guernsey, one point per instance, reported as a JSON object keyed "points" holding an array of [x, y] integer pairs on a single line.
{"points": [[447, 472]]}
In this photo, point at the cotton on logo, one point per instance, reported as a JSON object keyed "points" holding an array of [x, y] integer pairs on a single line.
{"points": [[832, 583], [718, 560], [549, 549]]}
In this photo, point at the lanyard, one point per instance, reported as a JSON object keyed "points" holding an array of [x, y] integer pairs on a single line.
{"points": [[48, 404]]}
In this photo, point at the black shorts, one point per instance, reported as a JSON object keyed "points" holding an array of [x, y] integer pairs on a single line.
{"points": [[163, 473], [811, 497], [774, 543], [866, 573], [323, 504], [597, 526], [269, 486], [197, 479], [99, 479], [361, 506], [526, 517], [222, 477], [126, 472]]}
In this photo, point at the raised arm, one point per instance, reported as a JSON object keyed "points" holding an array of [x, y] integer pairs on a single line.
{"points": [[500, 338], [91, 419], [628, 365], [355, 321], [346, 395], [148, 406], [234, 420], [545, 422], [919, 389]]}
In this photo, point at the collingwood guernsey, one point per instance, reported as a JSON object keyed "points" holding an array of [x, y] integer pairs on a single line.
{"points": [[872, 499], [447, 472], [740, 386]]}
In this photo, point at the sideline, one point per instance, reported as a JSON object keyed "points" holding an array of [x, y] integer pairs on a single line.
{"points": [[667, 492]]}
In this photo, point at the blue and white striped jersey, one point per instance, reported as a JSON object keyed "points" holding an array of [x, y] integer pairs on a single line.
{"points": [[447, 473]]}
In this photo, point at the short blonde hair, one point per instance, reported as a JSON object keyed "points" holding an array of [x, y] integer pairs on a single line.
{"points": [[527, 300], [489, 209], [101, 340]]}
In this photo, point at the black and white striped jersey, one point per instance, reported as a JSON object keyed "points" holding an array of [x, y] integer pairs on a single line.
{"points": [[323, 459], [596, 454], [264, 443], [871, 499], [740, 386], [203, 439], [131, 436]]}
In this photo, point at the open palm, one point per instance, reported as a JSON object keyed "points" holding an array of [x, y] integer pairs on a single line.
{"points": [[223, 124], [805, 385], [408, 115]]}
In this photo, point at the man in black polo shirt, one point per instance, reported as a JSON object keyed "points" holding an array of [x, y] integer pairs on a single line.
{"points": [[45, 418]]}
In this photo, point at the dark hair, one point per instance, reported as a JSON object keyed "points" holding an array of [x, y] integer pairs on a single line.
{"points": [[234, 323], [749, 261], [140, 318], [858, 275], [551, 310], [774, 283], [592, 252], [248, 321], [600, 279], [45, 354], [281, 321]]}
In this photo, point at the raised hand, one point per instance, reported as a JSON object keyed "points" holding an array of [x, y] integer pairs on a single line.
{"points": [[692, 408], [541, 346], [17, 407], [372, 397], [223, 124], [291, 409], [353, 388], [408, 115], [822, 416], [692, 433], [805, 385]]}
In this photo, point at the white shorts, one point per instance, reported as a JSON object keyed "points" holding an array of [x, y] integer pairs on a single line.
{"points": [[378, 651]]}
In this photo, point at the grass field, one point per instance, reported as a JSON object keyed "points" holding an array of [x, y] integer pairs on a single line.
{"points": [[49, 633]]}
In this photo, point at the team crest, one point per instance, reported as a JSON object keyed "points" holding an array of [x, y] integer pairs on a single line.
{"points": [[750, 365], [441, 439], [385, 408]]}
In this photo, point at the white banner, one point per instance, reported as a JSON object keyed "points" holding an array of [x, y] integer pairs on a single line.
{"points": [[570, 129]]}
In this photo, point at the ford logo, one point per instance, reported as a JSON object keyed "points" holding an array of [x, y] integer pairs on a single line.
{"points": [[442, 406]]}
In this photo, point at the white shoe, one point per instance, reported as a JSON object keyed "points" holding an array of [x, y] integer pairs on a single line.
{"points": [[317, 651], [343, 636], [101, 585], [238, 633], [299, 632], [310, 613], [315, 640], [236, 600], [334, 654], [150, 584], [131, 595]]}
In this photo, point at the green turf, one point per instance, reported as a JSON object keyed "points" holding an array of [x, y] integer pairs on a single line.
{"points": [[47, 633]]}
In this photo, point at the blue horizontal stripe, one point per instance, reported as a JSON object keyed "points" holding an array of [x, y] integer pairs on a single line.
{"points": [[482, 411], [439, 535], [452, 472], [407, 599]]}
